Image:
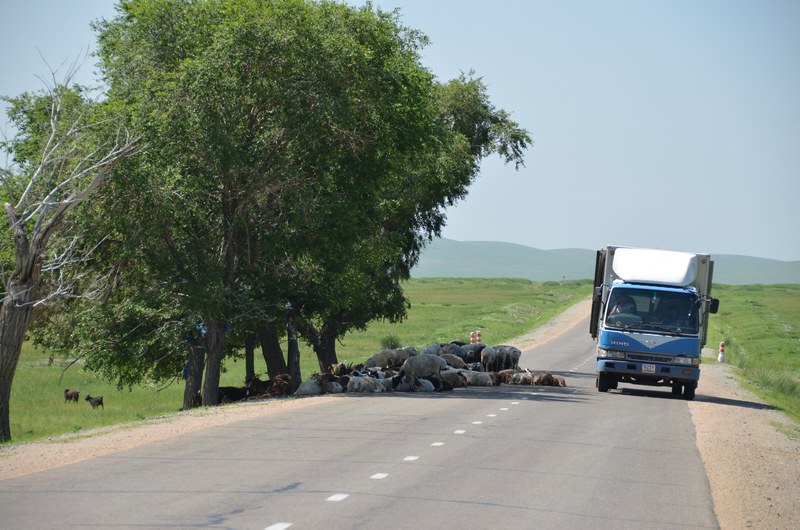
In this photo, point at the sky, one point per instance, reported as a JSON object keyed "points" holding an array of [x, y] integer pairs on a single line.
{"points": [[670, 124]]}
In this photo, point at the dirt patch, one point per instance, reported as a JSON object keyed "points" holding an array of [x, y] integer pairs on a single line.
{"points": [[751, 452]]}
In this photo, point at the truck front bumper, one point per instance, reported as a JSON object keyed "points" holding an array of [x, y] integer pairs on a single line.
{"points": [[648, 373]]}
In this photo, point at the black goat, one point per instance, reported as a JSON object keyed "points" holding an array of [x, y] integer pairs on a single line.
{"points": [[95, 401]]}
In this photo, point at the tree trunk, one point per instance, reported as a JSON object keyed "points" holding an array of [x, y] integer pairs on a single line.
{"points": [[271, 350], [214, 340], [249, 357], [326, 347], [14, 318], [293, 353], [194, 375]]}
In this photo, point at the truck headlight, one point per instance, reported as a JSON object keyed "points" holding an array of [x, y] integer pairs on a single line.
{"points": [[689, 361], [602, 353]]}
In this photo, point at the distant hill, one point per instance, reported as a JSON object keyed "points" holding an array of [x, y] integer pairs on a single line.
{"points": [[446, 258]]}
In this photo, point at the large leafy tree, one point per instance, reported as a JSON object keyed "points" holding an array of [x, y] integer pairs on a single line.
{"points": [[299, 157]]}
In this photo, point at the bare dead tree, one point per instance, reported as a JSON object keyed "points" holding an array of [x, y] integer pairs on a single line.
{"points": [[72, 165]]}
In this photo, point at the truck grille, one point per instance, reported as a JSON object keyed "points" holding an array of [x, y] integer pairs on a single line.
{"points": [[645, 357]]}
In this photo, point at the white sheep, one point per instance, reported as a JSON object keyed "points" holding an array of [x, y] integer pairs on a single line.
{"points": [[309, 387], [363, 385], [476, 378], [488, 357], [420, 366], [453, 378]]}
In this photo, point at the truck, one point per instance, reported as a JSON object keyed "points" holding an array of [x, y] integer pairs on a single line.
{"points": [[649, 317]]}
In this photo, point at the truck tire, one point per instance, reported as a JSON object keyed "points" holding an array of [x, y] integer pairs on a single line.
{"points": [[677, 388], [602, 382], [688, 390]]}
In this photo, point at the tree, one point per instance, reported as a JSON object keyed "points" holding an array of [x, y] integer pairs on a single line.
{"points": [[299, 156], [65, 149]]}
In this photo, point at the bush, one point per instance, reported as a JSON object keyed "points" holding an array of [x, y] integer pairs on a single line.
{"points": [[391, 342]]}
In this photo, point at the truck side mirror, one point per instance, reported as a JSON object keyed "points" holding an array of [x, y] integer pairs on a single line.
{"points": [[714, 305], [597, 294]]}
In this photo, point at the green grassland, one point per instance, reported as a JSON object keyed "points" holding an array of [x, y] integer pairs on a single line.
{"points": [[441, 310], [760, 326]]}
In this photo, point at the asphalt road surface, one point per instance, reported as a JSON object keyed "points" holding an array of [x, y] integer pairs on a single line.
{"points": [[494, 458]]}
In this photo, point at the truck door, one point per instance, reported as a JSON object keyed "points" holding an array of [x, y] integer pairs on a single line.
{"points": [[597, 292]]}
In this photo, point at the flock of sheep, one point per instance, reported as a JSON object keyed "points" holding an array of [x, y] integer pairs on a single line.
{"points": [[437, 367]]}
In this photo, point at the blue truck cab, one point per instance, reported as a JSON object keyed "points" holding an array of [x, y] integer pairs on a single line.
{"points": [[650, 317]]}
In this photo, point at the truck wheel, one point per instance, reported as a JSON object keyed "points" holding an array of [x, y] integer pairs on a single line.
{"points": [[602, 382], [677, 388], [688, 390]]}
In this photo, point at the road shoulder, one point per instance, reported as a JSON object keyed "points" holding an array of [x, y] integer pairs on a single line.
{"points": [[752, 464]]}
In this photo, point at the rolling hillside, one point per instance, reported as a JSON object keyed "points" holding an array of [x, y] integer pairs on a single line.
{"points": [[446, 258]]}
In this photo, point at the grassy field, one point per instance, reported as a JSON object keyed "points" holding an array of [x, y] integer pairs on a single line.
{"points": [[442, 310], [760, 326]]}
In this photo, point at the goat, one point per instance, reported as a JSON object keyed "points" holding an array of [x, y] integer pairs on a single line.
{"points": [[71, 395], [95, 401]]}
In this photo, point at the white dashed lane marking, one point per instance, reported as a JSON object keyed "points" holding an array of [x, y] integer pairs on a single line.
{"points": [[380, 476], [338, 497]]}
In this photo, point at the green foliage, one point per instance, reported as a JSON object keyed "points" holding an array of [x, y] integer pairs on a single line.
{"points": [[760, 326]]}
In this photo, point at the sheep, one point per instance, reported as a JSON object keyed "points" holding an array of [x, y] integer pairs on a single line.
{"points": [[473, 352], [476, 378], [452, 378], [421, 366], [71, 395], [507, 375], [453, 360], [488, 357], [500, 357], [390, 358], [95, 401], [425, 385], [309, 387], [453, 349], [512, 356], [432, 349], [332, 387], [363, 384]]}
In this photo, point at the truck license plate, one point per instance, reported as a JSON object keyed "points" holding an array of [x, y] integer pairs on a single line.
{"points": [[648, 368]]}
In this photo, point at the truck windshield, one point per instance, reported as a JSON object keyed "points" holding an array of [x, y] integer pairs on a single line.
{"points": [[652, 310]]}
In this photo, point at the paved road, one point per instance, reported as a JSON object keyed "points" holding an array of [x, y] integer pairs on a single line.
{"points": [[508, 457]]}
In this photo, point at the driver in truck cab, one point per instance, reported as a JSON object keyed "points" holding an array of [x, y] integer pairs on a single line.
{"points": [[623, 304]]}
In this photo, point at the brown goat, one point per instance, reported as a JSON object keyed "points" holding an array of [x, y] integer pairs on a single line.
{"points": [[71, 395]]}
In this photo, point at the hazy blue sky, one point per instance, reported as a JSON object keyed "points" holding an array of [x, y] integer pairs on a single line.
{"points": [[673, 124]]}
